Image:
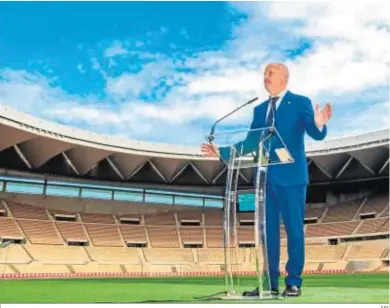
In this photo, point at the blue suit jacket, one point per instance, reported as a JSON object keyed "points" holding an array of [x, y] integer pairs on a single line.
{"points": [[294, 117]]}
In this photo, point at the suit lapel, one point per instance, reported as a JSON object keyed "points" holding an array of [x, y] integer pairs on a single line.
{"points": [[284, 102], [281, 108]]}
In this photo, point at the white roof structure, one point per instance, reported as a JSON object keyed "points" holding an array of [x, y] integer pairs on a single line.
{"points": [[29, 144]]}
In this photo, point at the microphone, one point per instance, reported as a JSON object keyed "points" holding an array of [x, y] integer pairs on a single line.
{"points": [[211, 136]]}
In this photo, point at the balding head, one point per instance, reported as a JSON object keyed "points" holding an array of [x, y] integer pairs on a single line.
{"points": [[276, 77]]}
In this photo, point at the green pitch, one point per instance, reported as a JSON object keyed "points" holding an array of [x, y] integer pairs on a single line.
{"points": [[343, 288]]}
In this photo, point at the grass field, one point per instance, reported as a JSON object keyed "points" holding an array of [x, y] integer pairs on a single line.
{"points": [[334, 288]]}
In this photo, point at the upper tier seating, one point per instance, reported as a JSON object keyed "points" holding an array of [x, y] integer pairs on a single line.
{"points": [[314, 213], [40, 231], [213, 218], [104, 235], [97, 218], [331, 229], [164, 237], [375, 204], [160, 219], [192, 234], [190, 215], [71, 231], [163, 230], [133, 234], [342, 212], [20, 210], [372, 225]]}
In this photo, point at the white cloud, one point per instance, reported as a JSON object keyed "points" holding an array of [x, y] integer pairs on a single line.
{"points": [[115, 49], [372, 117], [350, 49], [231, 80], [127, 86]]}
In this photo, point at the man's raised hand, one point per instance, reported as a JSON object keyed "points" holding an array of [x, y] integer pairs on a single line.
{"points": [[321, 117], [210, 150]]}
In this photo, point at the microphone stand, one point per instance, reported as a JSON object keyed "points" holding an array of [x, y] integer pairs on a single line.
{"points": [[211, 136]]}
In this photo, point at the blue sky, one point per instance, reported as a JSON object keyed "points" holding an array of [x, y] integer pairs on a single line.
{"points": [[165, 71]]}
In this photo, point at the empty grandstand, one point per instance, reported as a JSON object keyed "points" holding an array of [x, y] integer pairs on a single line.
{"points": [[75, 203]]}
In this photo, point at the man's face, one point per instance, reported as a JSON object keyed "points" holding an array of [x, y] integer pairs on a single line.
{"points": [[274, 79]]}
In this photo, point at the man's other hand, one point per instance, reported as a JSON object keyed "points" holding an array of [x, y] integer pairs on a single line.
{"points": [[210, 150], [321, 117]]}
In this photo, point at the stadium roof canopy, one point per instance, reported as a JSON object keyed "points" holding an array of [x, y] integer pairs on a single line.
{"points": [[29, 144]]}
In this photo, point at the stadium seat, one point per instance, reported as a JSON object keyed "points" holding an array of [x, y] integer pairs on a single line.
{"points": [[40, 231], [192, 235], [367, 251], [370, 226], [104, 235], [20, 210], [14, 254], [158, 219], [342, 212], [9, 228], [56, 254], [158, 245], [163, 237], [331, 229], [71, 231], [114, 255], [97, 218], [168, 256], [133, 234], [375, 204]]}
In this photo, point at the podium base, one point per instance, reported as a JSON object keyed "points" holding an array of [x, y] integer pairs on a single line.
{"points": [[251, 298], [264, 296]]}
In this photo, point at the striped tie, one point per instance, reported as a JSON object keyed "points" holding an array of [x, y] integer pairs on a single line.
{"points": [[270, 121]]}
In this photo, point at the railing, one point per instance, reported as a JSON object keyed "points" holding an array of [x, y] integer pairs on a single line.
{"points": [[89, 191]]}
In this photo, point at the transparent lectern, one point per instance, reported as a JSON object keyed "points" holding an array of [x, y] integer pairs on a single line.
{"points": [[245, 152]]}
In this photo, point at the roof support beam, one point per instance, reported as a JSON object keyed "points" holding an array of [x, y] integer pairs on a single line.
{"points": [[116, 170], [178, 173], [218, 175], [384, 166], [22, 157], [136, 170], [199, 173], [243, 177], [365, 166], [158, 171], [323, 170], [195, 169], [70, 163], [344, 167]]}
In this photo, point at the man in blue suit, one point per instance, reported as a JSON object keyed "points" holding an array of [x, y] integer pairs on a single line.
{"points": [[292, 115]]}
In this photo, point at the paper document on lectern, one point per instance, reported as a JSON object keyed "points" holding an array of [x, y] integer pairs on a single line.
{"points": [[252, 148]]}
